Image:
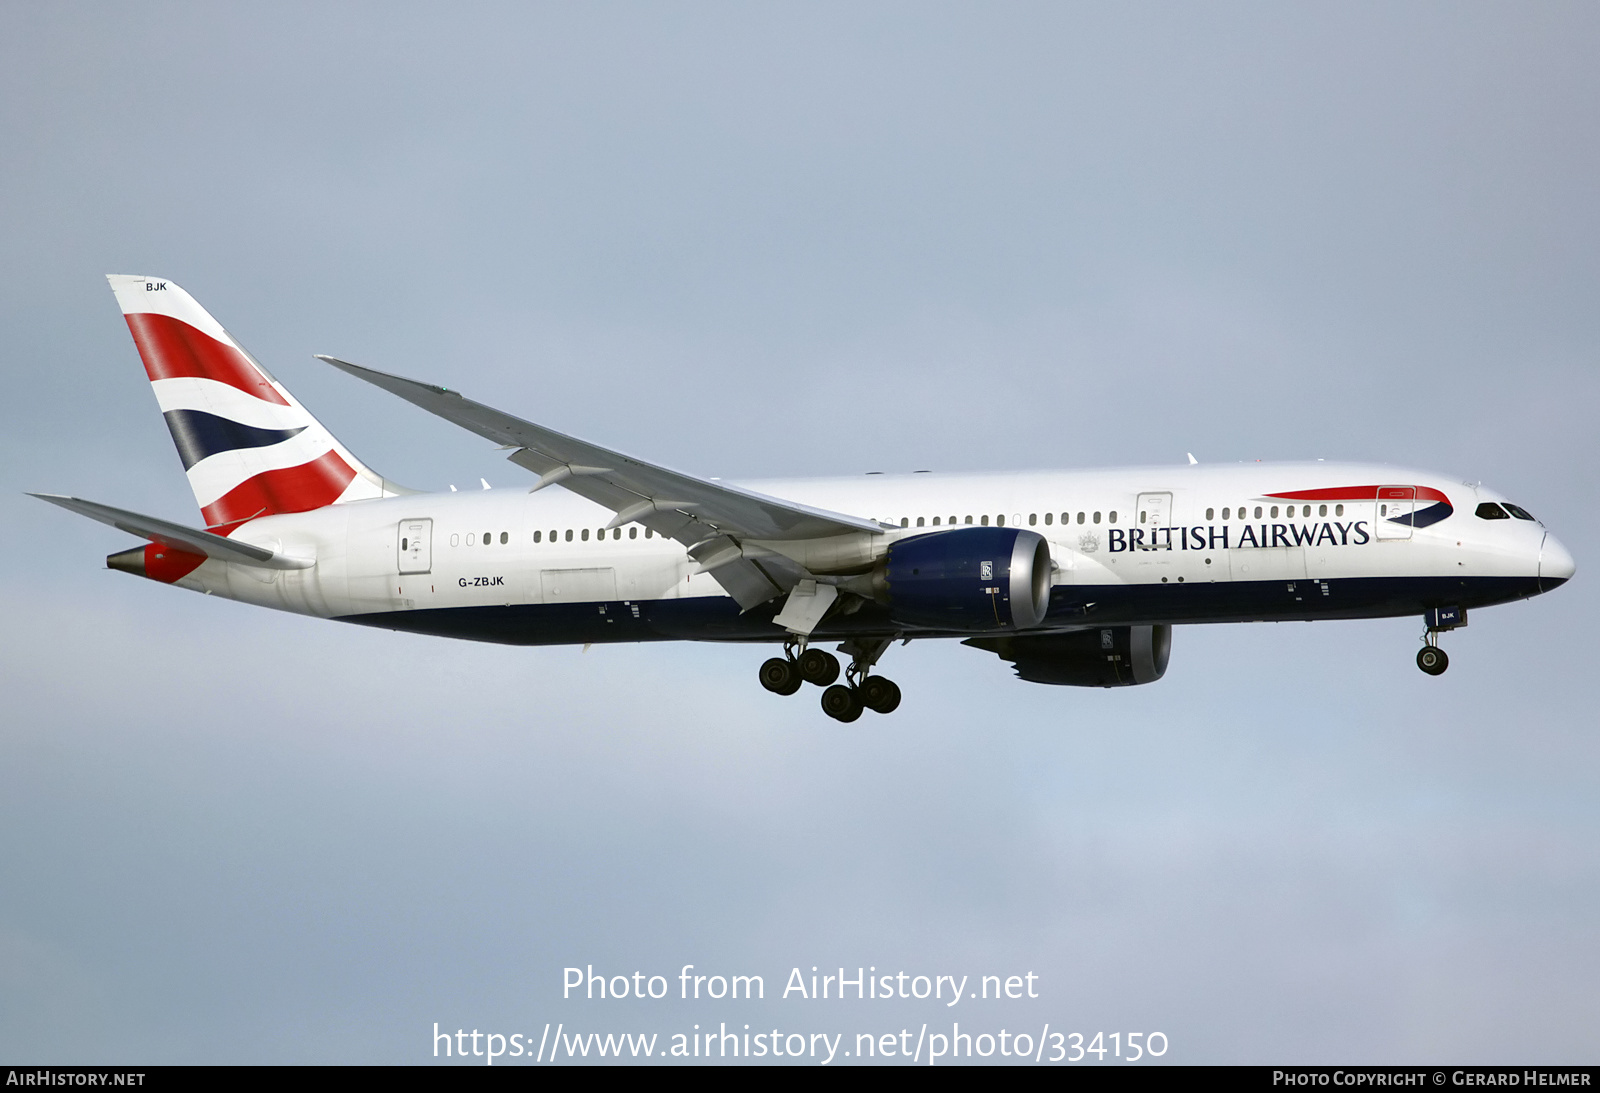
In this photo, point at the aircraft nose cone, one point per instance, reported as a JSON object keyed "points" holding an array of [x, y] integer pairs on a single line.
{"points": [[1555, 563]]}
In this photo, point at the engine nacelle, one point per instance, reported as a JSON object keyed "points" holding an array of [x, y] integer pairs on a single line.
{"points": [[970, 578], [1110, 656]]}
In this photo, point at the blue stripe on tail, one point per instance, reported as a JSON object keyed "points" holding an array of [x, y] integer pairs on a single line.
{"points": [[199, 435]]}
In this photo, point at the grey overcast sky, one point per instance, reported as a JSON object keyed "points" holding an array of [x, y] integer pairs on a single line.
{"points": [[802, 239]]}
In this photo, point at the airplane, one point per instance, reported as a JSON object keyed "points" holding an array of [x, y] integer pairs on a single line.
{"points": [[1075, 578]]}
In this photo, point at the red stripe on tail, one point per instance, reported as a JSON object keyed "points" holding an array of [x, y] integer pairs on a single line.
{"points": [[171, 349], [292, 489]]}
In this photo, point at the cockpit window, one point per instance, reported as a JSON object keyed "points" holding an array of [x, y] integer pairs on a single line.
{"points": [[1491, 511], [1519, 513]]}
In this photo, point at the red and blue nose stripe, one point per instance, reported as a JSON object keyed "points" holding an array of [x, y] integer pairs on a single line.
{"points": [[1437, 508]]}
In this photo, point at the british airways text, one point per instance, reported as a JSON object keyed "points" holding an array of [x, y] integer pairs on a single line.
{"points": [[1329, 533]]}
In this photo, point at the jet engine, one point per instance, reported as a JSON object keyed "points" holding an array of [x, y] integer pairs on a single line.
{"points": [[1111, 656], [970, 578]]}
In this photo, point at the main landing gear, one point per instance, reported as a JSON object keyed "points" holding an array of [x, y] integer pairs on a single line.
{"points": [[842, 702]]}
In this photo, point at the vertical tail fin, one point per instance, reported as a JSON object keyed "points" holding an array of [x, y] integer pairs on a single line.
{"points": [[250, 449]]}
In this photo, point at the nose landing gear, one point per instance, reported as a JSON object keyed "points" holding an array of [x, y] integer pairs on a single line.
{"points": [[1431, 658]]}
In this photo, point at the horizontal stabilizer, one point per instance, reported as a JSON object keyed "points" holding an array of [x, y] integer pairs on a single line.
{"points": [[164, 531]]}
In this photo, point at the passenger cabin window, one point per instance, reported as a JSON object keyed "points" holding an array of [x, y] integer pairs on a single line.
{"points": [[1338, 510], [969, 520], [935, 521], [905, 523], [919, 521], [985, 520], [1274, 512], [633, 533], [1519, 513], [1096, 518], [1225, 513], [1258, 512], [1111, 516], [1211, 514], [1033, 518], [505, 537], [1322, 510], [537, 536], [1049, 518]]}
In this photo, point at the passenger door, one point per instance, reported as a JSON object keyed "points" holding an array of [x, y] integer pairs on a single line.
{"points": [[414, 544], [1155, 513], [1394, 503]]}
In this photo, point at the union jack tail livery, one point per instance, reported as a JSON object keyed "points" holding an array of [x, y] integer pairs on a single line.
{"points": [[250, 449]]}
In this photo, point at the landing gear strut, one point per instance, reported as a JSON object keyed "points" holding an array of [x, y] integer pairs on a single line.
{"points": [[840, 701]]}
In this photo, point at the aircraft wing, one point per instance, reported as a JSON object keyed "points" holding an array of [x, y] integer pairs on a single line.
{"points": [[680, 506], [157, 530]]}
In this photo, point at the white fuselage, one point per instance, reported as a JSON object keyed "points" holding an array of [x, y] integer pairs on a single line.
{"points": [[1106, 529]]}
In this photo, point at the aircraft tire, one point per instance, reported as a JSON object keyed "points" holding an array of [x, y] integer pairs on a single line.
{"points": [[879, 694], [818, 666], [841, 703], [780, 676], [1431, 659]]}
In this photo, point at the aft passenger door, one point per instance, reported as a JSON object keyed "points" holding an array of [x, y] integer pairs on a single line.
{"points": [[414, 543]]}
